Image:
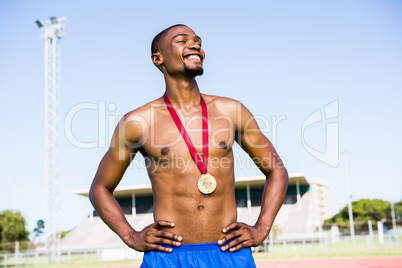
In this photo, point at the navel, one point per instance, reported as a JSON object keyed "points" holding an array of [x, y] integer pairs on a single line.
{"points": [[223, 145], [200, 207], [165, 151]]}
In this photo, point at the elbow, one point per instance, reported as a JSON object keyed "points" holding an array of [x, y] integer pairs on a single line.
{"points": [[281, 173], [97, 192], [92, 193], [285, 175]]}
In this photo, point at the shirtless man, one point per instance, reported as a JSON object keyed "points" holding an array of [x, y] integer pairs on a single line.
{"points": [[190, 226]]}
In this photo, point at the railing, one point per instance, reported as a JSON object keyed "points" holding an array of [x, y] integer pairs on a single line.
{"points": [[324, 246], [35, 258], [271, 248]]}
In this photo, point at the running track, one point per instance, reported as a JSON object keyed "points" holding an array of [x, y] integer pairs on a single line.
{"points": [[370, 262]]}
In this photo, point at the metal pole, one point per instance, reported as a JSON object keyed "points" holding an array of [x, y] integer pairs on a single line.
{"points": [[370, 226], [368, 244], [393, 219], [298, 194], [284, 247], [53, 31], [248, 198], [134, 206], [351, 223], [380, 228], [271, 243], [17, 251], [320, 232]]}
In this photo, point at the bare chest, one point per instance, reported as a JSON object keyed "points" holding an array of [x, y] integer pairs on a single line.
{"points": [[165, 140]]}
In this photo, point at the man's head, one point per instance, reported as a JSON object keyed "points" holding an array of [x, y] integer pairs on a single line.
{"points": [[178, 49]]}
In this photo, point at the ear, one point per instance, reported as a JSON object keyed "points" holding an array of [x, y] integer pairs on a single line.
{"points": [[157, 59]]}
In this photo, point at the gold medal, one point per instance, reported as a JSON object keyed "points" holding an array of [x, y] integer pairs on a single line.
{"points": [[206, 184]]}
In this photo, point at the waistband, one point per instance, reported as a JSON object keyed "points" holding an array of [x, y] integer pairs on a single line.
{"points": [[196, 247]]}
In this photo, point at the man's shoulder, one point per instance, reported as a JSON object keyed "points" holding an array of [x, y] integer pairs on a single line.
{"points": [[215, 98], [222, 104], [144, 111]]}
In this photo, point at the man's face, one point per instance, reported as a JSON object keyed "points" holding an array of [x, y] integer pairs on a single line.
{"points": [[182, 52]]}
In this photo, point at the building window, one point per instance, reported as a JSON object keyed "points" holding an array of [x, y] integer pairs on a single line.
{"points": [[126, 205], [241, 198], [255, 196], [144, 204], [291, 194]]}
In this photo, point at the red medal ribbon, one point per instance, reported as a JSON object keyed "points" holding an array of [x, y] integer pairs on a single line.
{"points": [[202, 166]]}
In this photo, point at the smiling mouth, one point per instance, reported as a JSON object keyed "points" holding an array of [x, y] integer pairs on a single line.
{"points": [[193, 58]]}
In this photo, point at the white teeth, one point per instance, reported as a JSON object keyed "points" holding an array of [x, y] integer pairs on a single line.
{"points": [[194, 57]]}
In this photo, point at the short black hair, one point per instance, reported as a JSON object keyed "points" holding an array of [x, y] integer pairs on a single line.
{"points": [[157, 44]]}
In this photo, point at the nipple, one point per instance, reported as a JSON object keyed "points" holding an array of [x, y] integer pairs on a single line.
{"points": [[223, 145], [165, 151]]}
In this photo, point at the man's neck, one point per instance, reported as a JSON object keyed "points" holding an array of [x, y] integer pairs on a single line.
{"points": [[183, 93]]}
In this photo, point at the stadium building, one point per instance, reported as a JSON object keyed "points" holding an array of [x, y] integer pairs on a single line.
{"points": [[307, 204]]}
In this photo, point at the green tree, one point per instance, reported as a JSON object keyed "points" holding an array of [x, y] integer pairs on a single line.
{"points": [[398, 210], [12, 227], [40, 225], [364, 210]]}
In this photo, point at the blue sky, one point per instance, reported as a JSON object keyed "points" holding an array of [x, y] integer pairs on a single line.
{"points": [[282, 59]]}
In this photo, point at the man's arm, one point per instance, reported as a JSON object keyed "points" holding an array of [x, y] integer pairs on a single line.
{"points": [[264, 155], [125, 143]]}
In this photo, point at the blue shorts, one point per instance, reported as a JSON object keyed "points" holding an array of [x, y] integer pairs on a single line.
{"points": [[208, 255]]}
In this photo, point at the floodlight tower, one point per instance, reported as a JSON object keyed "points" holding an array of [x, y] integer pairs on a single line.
{"points": [[53, 31]]}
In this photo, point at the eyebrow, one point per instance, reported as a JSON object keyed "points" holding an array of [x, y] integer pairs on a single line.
{"points": [[186, 35]]}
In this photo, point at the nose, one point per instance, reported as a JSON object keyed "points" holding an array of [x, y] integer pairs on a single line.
{"points": [[194, 45]]}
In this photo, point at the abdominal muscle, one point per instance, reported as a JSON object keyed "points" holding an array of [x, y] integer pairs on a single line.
{"points": [[198, 218]]}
